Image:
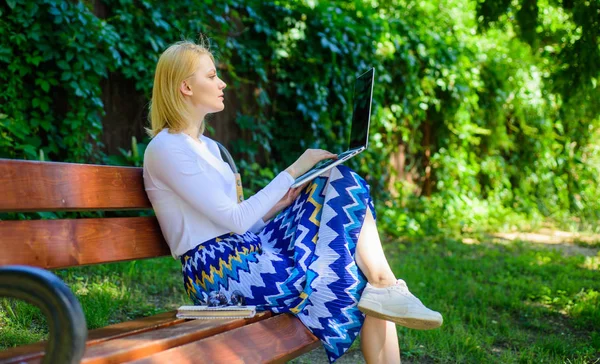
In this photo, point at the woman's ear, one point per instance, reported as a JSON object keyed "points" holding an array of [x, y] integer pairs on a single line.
{"points": [[185, 88]]}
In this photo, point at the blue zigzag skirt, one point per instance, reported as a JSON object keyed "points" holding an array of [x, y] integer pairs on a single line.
{"points": [[301, 262]]}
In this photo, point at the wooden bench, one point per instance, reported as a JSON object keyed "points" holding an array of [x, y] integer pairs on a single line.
{"points": [[30, 247]]}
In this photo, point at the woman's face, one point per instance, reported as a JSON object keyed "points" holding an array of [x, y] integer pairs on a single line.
{"points": [[204, 88]]}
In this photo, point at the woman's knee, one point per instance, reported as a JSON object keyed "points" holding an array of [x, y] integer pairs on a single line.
{"points": [[343, 171], [347, 171], [355, 178]]}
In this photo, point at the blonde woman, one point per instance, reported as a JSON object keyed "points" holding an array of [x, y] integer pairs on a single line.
{"points": [[314, 251]]}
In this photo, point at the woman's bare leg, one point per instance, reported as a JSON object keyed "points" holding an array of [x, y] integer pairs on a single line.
{"points": [[379, 338], [379, 341], [370, 257], [369, 252]]}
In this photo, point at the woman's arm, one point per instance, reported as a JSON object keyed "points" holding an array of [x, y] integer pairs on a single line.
{"points": [[285, 201], [306, 161], [204, 189]]}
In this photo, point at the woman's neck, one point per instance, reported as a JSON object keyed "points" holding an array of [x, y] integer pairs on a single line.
{"points": [[193, 131]]}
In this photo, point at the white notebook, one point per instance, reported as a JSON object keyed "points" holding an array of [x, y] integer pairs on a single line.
{"points": [[206, 312]]}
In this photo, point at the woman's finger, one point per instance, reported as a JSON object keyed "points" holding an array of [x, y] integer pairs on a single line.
{"points": [[328, 156], [327, 153], [297, 191], [291, 192], [304, 185]]}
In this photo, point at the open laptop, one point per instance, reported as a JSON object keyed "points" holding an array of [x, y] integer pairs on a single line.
{"points": [[359, 134]]}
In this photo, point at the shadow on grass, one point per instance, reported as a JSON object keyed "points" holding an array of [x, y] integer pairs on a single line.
{"points": [[501, 302]]}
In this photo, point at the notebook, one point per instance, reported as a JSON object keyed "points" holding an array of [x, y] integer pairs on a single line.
{"points": [[208, 312], [359, 133]]}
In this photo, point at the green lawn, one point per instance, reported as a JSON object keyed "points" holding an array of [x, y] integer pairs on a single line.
{"points": [[502, 303]]}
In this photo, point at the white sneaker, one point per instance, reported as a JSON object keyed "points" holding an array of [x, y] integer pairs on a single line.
{"points": [[397, 304]]}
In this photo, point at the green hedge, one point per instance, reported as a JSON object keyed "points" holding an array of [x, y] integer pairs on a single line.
{"points": [[490, 140]]}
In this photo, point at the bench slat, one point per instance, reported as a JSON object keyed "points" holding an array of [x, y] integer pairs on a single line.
{"points": [[49, 186], [134, 347], [64, 243], [275, 340], [155, 341], [29, 352]]}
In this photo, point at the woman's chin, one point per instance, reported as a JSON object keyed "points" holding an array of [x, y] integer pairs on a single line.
{"points": [[217, 108]]}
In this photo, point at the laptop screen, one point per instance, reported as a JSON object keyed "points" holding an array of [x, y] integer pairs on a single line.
{"points": [[361, 115]]}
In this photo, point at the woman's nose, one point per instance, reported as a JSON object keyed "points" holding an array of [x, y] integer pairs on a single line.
{"points": [[223, 85]]}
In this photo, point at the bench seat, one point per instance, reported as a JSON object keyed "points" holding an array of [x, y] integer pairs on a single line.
{"points": [[29, 186], [162, 337]]}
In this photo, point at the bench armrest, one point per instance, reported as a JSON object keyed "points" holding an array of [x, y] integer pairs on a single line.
{"points": [[67, 326]]}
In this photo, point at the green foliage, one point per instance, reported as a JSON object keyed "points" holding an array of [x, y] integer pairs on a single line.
{"points": [[46, 103], [496, 121], [132, 157], [567, 30]]}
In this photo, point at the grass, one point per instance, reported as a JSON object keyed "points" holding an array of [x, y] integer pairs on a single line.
{"points": [[108, 293], [502, 303], [587, 243]]}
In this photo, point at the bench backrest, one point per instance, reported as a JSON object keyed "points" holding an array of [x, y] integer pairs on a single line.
{"points": [[28, 186]]}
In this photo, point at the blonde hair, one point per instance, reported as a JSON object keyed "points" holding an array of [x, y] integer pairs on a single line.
{"points": [[167, 107]]}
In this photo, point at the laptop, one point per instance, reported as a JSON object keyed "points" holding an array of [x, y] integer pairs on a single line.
{"points": [[359, 133]]}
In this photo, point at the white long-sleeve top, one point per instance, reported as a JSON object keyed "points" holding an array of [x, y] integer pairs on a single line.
{"points": [[193, 192]]}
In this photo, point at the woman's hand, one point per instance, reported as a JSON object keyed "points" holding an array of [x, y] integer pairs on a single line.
{"points": [[308, 160], [285, 201]]}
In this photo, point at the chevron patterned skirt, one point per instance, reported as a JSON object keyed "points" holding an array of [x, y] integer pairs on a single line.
{"points": [[301, 262]]}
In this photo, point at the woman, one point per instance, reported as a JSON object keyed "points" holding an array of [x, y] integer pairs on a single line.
{"points": [[312, 251]]}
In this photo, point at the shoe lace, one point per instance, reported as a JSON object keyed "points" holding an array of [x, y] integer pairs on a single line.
{"points": [[400, 284], [402, 288]]}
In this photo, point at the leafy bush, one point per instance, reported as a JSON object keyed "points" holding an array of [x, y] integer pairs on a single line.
{"points": [[467, 100]]}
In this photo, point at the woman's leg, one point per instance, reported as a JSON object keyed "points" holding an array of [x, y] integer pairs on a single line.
{"points": [[379, 341], [379, 338], [370, 257], [369, 252], [385, 297]]}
